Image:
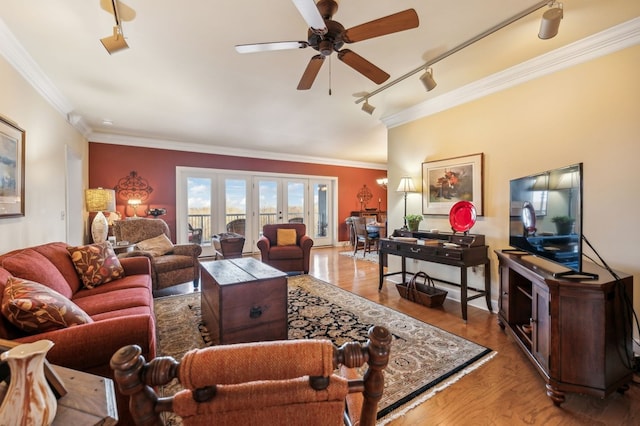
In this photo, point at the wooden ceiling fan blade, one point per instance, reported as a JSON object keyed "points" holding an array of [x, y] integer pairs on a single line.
{"points": [[311, 15], [125, 13], [400, 21], [266, 47], [363, 66], [310, 73]]}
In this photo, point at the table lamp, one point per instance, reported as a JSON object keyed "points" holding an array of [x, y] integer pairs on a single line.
{"points": [[100, 200], [406, 185]]}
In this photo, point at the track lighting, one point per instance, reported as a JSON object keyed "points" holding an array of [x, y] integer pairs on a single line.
{"points": [[550, 22], [548, 28], [367, 107], [427, 80], [115, 42]]}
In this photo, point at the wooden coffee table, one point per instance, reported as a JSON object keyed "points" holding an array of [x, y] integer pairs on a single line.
{"points": [[243, 300]]}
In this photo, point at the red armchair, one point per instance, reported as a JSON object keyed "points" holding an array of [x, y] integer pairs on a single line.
{"points": [[286, 257]]}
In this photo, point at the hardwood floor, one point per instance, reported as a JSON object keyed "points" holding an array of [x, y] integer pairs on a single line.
{"points": [[507, 390]]}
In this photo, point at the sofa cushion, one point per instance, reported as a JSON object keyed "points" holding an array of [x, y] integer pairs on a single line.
{"points": [[157, 246], [33, 266], [36, 308], [172, 262], [286, 252], [58, 255], [96, 264], [286, 237]]}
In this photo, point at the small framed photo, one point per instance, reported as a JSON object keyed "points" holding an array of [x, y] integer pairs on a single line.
{"points": [[12, 141], [445, 182]]}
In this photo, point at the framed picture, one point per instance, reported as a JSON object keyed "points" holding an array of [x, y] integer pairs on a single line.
{"points": [[445, 182], [12, 142]]}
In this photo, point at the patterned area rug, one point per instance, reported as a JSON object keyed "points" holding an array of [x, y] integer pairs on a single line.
{"points": [[424, 358], [370, 257]]}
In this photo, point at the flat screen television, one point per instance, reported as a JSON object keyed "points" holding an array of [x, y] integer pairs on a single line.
{"points": [[546, 218]]}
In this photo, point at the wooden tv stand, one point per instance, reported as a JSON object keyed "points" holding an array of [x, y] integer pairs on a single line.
{"points": [[573, 332]]}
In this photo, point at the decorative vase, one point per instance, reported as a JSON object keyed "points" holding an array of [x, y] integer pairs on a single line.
{"points": [[29, 399], [413, 225]]}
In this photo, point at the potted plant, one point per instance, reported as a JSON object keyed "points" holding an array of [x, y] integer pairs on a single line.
{"points": [[413, 220], [564, 224]]}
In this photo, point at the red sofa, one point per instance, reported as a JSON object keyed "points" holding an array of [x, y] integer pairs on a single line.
{"points": [[121, 310]]}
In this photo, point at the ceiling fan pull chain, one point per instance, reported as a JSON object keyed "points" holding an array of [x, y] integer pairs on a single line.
{"points": [[330, 67]]}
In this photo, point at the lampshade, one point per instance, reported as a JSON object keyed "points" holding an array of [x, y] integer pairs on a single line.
{"points": [[406, 185], [100, 200]]}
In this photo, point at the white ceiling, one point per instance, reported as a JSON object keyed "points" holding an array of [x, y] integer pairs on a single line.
{"points": [[182, 82]]}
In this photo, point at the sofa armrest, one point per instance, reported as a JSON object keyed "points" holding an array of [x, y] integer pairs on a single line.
{"points": [[192, 250], [137, 265], [264, 245], [88, 346]]}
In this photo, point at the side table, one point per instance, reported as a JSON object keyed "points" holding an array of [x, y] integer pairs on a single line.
{"points": [[119, 249], [90, 399]]}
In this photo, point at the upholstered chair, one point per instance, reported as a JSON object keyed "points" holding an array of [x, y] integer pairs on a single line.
{"points": [[171, 264], [284, 250], [289, 382]]}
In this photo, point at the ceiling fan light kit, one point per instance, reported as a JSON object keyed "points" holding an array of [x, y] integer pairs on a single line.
{"points": [[327, 36]]}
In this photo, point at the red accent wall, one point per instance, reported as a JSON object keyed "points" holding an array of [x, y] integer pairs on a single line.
{"points": [[108, 163]]}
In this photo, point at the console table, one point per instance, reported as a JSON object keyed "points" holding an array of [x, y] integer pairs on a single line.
{"points": [[461, 251], [574, 332]]}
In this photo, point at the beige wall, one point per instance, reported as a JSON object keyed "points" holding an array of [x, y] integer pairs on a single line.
{"points": [[48, 136], [589, 113]]}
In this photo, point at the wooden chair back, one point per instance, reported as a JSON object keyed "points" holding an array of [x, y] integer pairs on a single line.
{"points": [[276, 383]]}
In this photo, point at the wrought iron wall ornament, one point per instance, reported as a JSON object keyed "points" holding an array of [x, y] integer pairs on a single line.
{"points": [[364, 196], [133, 187]]}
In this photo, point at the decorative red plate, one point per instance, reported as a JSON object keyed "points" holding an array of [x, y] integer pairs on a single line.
{"points": [[462, 216]]}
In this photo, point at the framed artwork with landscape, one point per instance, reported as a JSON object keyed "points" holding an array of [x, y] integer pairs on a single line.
{"points": [[445, 182], [12, 142]]}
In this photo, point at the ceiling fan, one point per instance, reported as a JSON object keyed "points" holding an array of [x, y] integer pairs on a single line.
{"points": [[326, 36]]}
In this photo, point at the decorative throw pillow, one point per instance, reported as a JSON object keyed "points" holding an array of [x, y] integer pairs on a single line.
{"points": [[286, 237], [35, 308], [96, 264], [157, 246]]}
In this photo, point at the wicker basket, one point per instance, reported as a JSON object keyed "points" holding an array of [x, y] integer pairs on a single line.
{"points": [[426, 294]]}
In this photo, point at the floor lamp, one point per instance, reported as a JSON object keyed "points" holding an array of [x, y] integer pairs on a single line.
{"points": [[406, 186]]}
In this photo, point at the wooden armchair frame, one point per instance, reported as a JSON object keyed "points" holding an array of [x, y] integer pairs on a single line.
{"points": [[136, 378]]}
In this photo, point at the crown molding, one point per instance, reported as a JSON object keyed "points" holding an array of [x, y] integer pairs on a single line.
{"points": [[114, 139], [603, 43]]}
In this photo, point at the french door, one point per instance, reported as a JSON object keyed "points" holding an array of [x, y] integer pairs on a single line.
{"points": [[241, 202]]}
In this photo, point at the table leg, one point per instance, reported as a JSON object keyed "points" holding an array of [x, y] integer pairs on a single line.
{"points": [[404, 269], [463, 292], [487, 284], [381, 269]]}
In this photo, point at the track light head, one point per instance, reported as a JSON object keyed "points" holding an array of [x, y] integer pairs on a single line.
{"points": [[550, 23], [427, 80], [115, 42], [367, 107]]}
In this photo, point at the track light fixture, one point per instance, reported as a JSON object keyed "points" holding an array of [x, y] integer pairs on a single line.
{"points": [[550, 22], [367, 107], [115, 42], [551, 18], [427, 80]]}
